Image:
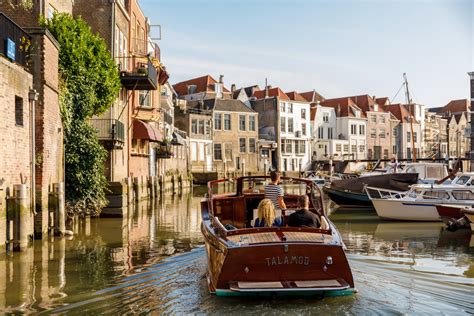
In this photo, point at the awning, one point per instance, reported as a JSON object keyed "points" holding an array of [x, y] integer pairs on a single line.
{"points": [[143, 130], [163, 76], [177, 139]]}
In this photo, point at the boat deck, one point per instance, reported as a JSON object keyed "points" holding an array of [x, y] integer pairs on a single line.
{"points": [[281, 236]]}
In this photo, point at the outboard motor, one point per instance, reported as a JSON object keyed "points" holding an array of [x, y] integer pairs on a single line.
{"points": [[455, 224]]}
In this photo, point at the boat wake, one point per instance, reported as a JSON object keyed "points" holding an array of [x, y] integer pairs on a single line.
{"points": [[177, 285]]}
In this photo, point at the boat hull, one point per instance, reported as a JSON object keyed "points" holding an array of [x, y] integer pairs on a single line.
{"points": [[280, 268], [403, 210], [470, 217], [347, 199], [447, 212]]}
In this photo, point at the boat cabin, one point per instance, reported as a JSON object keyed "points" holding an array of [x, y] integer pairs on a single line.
{"points": [[239, 209]]}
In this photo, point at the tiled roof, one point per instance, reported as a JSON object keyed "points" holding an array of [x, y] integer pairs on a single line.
{"points": [[226, 105], [273, 92], [456, 106], [312, 96], [400, 111], [295, 96], [203, 84], [344, 107], [248, 91], [382, 101]]}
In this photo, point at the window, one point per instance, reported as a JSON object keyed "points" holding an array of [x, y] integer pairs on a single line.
{"points": [[361, 148], [330, 133], [242, 122], [302, 147], [193, 151], [227, 125], [285, 164], [338, 147], [385, 154], [320, 132], [408, 137], [303, 129], [290, 107], [252, 145], [217, 121], [382, 119], [353, 148], [394, 149], [252, 123], [208, 127], [346, 148], [283, 124], [414, 136], [303, 113], [353, 129], [290, 125], [283, 146], [373, 133], [228, 152], [201, 127], [144, 98], [282, 107], [51, 11], [326, 117], [373, 118], [289, 147], [293, 164], [394, 132], [361, 130], [382, 133], [243, 145], [194, 129], [297, 147], [217, 151], [18, 111]]}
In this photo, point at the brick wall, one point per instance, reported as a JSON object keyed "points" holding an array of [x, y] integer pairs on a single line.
{"points": [[30, 18]]}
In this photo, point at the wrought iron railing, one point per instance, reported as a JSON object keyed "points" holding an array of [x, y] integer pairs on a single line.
{"points": [[109, 129], [14, 41]]}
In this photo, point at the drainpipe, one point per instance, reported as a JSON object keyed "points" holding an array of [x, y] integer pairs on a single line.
{"points": [[33, 97]]}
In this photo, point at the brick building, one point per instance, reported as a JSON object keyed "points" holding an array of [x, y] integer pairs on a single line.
{"points": [[43, 64], [202, 88]]}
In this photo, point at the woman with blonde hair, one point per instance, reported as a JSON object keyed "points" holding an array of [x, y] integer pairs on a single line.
{"points": [[266, 215]]}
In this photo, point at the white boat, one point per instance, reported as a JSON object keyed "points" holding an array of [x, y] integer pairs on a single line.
{"points": [[419, 203]]}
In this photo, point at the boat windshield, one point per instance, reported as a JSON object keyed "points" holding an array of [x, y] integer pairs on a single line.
{"points": [[463, 180]]}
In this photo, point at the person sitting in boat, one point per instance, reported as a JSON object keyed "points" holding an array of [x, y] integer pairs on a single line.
{"points": [[274, 192], [266, 215], [303, 217]]}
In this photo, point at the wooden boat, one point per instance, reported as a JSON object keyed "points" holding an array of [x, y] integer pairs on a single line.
{"points": [[271, 260], [457, 215], [448, 211]]}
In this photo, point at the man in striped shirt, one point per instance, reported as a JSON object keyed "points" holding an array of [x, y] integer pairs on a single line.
{"points": [[274, 192]]}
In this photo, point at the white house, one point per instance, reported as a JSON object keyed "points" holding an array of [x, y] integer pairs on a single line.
{"points": [[351, 126]]}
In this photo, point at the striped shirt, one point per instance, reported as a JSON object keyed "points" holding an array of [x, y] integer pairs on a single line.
{"points": [[273, 192]]}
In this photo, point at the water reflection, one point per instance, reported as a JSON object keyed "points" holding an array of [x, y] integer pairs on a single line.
{"points": [[152, 260]]}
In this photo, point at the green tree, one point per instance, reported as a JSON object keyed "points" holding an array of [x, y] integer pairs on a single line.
{"points": [[90, 83]]}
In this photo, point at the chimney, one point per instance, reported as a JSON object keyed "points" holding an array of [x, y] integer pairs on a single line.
{"points": [[471, 154], [233, 88], [338, 110], [221, 78]]}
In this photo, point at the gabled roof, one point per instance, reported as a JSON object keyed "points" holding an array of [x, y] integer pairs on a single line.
{"points": [[273, 92], [456, 106], [226, 105], [382, 101], [295, 96], [312, 96], [344, 107], [400, 111], [203, 84], [248, 91]]}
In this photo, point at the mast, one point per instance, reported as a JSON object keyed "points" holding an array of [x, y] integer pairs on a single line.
{"points": [[408, 100]]}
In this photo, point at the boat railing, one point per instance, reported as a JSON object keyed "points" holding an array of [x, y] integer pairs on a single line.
{"points": [[378, 193]]}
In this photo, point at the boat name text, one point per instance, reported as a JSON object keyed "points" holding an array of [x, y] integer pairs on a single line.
{"points": [[273, 261]]}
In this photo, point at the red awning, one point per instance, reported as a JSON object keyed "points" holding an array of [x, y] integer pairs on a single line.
{"points": [[163, 76], [143, 130]]}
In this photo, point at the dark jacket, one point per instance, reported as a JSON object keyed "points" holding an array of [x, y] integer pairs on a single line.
{"points": [[303, 218]]}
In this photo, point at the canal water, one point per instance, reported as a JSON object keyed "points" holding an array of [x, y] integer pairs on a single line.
{"points": [[153, 261]]}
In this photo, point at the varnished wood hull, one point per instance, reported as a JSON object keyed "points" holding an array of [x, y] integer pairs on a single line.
{"points": [[299, 268]]}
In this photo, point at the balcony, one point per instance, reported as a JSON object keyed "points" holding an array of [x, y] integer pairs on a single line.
{"points": [[167, 118], [110, 132], [143, 77], [14, 41]]}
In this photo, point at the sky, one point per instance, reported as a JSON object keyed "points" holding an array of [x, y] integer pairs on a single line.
{"points": [[337, 47]]}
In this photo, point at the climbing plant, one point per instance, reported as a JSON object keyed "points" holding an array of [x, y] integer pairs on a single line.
{"points": [[90, 83]]}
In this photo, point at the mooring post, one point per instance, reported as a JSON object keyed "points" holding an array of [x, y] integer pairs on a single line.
{"points": [[22, 222], [59, 216]]}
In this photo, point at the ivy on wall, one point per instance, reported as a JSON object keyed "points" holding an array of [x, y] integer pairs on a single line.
{"points": [[90, 83]]}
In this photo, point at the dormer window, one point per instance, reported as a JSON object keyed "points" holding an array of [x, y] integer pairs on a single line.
{"points": [[376, 107], [357, 113]]}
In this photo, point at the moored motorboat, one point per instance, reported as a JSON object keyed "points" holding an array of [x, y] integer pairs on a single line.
{"points": [[271, 260], [421, 201]]}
